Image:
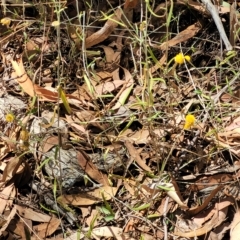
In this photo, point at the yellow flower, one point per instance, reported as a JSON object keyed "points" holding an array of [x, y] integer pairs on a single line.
{"points": [[187, 58], [9, 117], [189, 121], [179, 58], [6, 21]]}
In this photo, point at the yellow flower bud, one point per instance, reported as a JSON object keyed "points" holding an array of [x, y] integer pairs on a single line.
{"points": [[189, 121], [24, 135]]}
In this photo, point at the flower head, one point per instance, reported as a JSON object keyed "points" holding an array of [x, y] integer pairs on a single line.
{"points": [[179, 58], [6, 21], [9, 117], [189, 121]]}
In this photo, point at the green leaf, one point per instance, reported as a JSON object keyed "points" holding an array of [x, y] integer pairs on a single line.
{"points": [[142, 207], [105, 211], [109, 218]]}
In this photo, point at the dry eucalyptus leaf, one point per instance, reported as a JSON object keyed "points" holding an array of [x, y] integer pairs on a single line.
{"points": [[105, 31], [9, 218], [5, 194], [235, 226], [11, 168], [108, 87], [136, 156], [46, 229], [32, 215], [91, 170], [33, 89], [108, 232], [213, 222], [183, 36], [89, 197]]}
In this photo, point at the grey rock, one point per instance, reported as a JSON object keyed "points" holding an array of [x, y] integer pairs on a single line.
{"points": [[63, 165]]}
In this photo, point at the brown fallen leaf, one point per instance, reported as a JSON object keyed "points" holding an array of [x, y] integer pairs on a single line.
{"points": [[91, 218], [32, 215], [213, 222], [108, 87], [129, 4], [91, 170], [234, 24], [82, 91], [207, 181], [220, 209], [159, 64], [76, 125], [28, 86], [233, 125], [162, 209], [219, 232], [108, 232], [5, 149], [140, 137], [105, 31], [109, 54], [5, 194], [20, 226], [196, 210], [171, 190], [46, 229], [183, 36], [136, 157], [85, 115], [33, 89], [9, 218], [230, 137], [88, 198], [235, 226], [10, 170], [195, 5], [48, 144], [130, 186]]}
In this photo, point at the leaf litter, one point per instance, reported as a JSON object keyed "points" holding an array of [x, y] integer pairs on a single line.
{"points": [[123, 127]]}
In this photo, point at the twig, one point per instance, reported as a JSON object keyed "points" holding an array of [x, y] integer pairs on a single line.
{"points": [[212, 9], [164, 219]]}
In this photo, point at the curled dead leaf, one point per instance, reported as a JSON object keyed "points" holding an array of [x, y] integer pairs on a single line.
{"points": [[33, 89], [105, 31], [183, 36]]}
